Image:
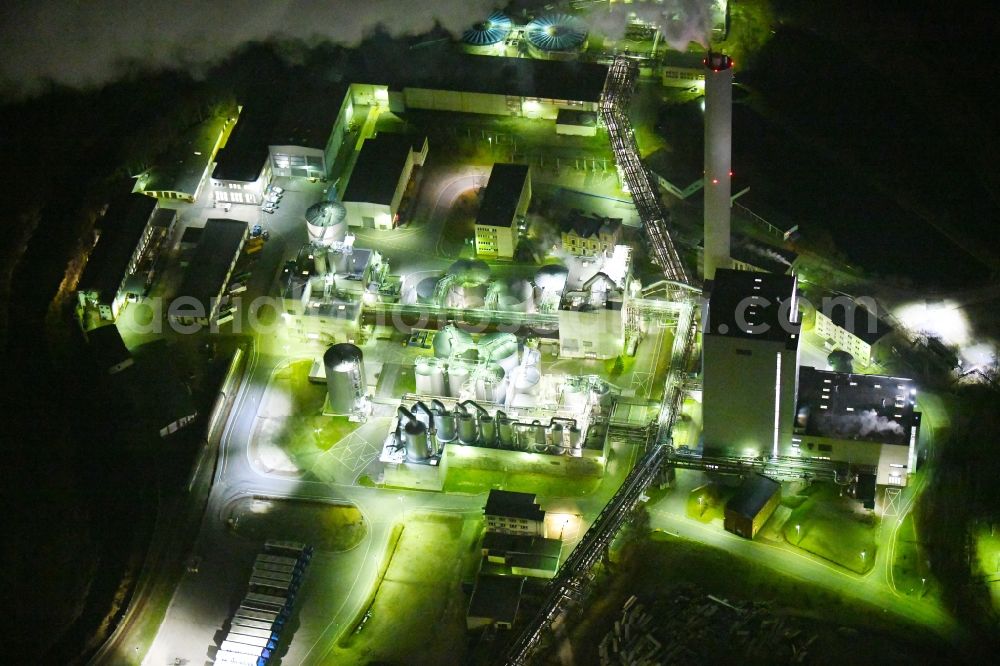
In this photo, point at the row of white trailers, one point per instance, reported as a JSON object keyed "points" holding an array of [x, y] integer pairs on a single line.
{"points": [[255, 628]]}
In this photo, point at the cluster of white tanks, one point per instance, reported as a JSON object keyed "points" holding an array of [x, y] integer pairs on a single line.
{"points": [[424, 431], [468, 285], [489, 369]]}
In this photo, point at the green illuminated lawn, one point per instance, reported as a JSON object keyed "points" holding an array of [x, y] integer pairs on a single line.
{"points": [[988, 562], [712, 505], [328, 527], [835, 529], [477, 481], [909, 567], [417, 615]]}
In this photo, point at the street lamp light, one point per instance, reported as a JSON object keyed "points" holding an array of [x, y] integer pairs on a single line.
{"points": [[863, 555], [798, 532]]}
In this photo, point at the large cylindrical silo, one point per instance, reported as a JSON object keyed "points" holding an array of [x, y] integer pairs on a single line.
{"points": [[415, 436], [468, 433], [488, 429], [345, 377], [491, 383], [457, 376], [326, 223], [505, 430], [445, 422], [423, 372]]}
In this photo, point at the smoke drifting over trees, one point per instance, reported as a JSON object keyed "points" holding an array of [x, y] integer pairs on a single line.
{"points": [[89, 44], [92, 43]]}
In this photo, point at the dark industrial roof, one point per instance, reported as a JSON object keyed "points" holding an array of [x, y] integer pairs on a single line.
{"points": [[121, 231], [182, 169], [516, 77], [538, 562], [294, 111], [501, 196], [376, 172], [209, 267], [161, 395], [753, 306], [107, 347], [513, 505], [587, 226], [246, 148], [496, 598], [683, 59], [575, 117], [163, 218], [871, 408], [858, 321], [521, 544], [755, 492], [766, 257], [307, 117]]}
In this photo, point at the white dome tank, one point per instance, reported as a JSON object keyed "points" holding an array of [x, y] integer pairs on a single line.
{"points": [[500, 348], [526, 381], [517, 296], [551, 278]]}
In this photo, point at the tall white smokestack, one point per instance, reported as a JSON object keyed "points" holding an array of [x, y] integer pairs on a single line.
{"points": [[718, 160]]}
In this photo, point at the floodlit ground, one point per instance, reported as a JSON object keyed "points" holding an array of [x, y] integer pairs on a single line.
{"points": [[417, 613], [987, 553], [707, 503], [478, 481], [294, 438], [910, 573], [834, 528], [327, 527], [653, 569]]}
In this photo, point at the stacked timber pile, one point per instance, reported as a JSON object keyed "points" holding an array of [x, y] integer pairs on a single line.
{"points": [[690, 627]]}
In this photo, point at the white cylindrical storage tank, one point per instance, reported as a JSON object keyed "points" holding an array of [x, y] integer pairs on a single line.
{"points": [[438, 384], [445, 423], [423, 372], [505, 430], [526, 381], [458, 375], [488, 429], [500, 348], [517, 296], [468, 433], [345, 377], [451, 340], [575, 439], [556, 435], [537, 431], [491, 383], [417, 446], [424, 291], [326, 223]]}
